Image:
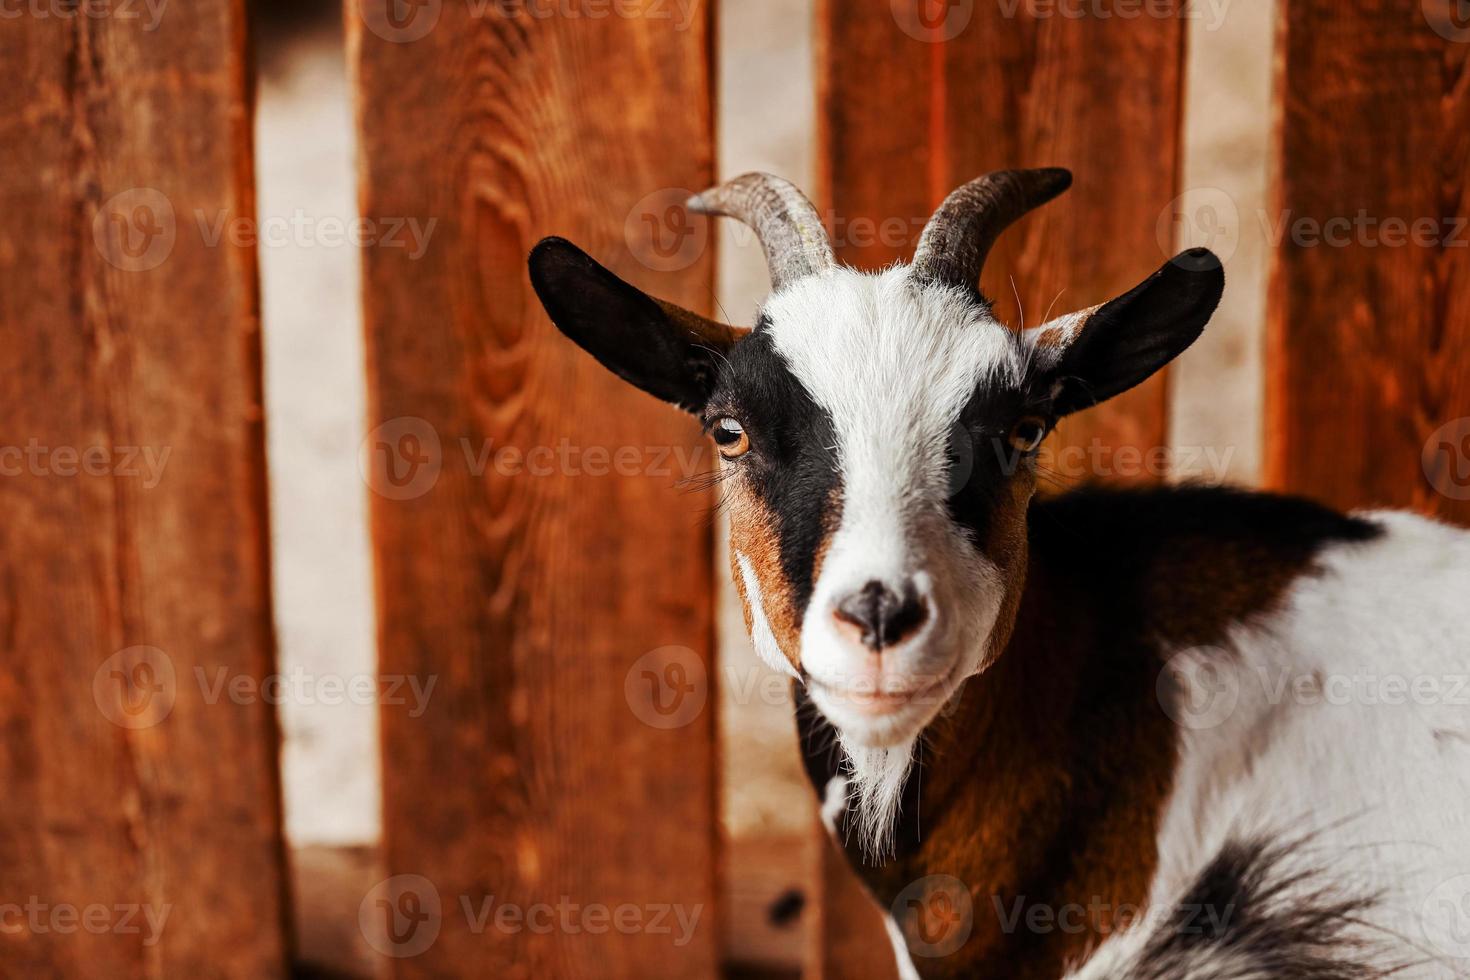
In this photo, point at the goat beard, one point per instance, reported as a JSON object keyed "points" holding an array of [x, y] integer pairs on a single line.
{"points": [[876, 778]]}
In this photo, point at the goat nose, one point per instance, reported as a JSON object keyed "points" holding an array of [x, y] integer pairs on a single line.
{"points": [[882, 616]]}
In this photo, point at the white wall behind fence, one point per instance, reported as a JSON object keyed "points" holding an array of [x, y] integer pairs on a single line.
{"points": [[315, 405]]}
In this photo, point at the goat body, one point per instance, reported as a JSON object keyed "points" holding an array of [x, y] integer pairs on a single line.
{"points": [[1229, 738]]}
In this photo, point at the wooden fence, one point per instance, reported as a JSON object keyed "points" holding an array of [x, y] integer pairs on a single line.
{"points": [[133, 526]]}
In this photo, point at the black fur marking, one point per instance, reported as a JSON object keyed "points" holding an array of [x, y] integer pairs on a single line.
{"points": [[792, 467], [651, 346], [1118, 534], [984, 464], [1256, 912], [1130, 338]]}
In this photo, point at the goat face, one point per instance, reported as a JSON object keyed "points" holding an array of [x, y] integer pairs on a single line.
{"points": [[877, 433]]}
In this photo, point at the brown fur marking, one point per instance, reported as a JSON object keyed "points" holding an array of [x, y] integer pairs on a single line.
{"points": [[753, 534]]}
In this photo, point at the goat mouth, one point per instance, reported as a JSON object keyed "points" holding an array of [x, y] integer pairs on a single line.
{"points": [[882, 703]]}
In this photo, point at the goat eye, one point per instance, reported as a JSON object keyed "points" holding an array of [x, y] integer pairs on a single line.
{"points": [[1027, 434], [730, 438]]}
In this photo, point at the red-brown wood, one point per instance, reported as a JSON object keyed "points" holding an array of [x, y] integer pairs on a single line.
{"points": [[1368, 389], [134, 570], [907, 120], [537, 774], [918, 98]]}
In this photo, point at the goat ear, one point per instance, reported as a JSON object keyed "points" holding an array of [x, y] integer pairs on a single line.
{"points": [[665, 350], [1098, 353]]}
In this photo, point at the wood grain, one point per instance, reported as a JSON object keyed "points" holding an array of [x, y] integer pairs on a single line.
{"points": [[849, 938], [907, 120], [909, 112], [134, 514], [532, 592], [1368, 326]]}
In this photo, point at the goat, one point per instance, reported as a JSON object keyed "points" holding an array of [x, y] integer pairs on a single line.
{"points": [[1009, 695]]}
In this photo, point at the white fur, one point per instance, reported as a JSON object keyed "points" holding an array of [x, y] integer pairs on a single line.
{"points": [[761, 635], [834, 801], [878, 776], [894, 364], [905, 960], [1385, 787]]}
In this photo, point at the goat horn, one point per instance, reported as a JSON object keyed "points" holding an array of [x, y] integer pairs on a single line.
{"points": [[788, 226], [958, 238]]}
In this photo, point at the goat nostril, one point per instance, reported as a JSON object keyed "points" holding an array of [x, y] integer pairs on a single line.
{"points": [[883, 617]]}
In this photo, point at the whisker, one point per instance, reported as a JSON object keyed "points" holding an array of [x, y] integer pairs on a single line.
{"points": [[1047, 318], [715, 352], [1019, 308]]}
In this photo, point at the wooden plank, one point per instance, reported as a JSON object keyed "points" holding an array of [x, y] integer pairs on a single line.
{"points": [[134, 569], [1368, 389], [766, 903], [849, 938], [532, 589], [906, 120], [919, 98]]}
